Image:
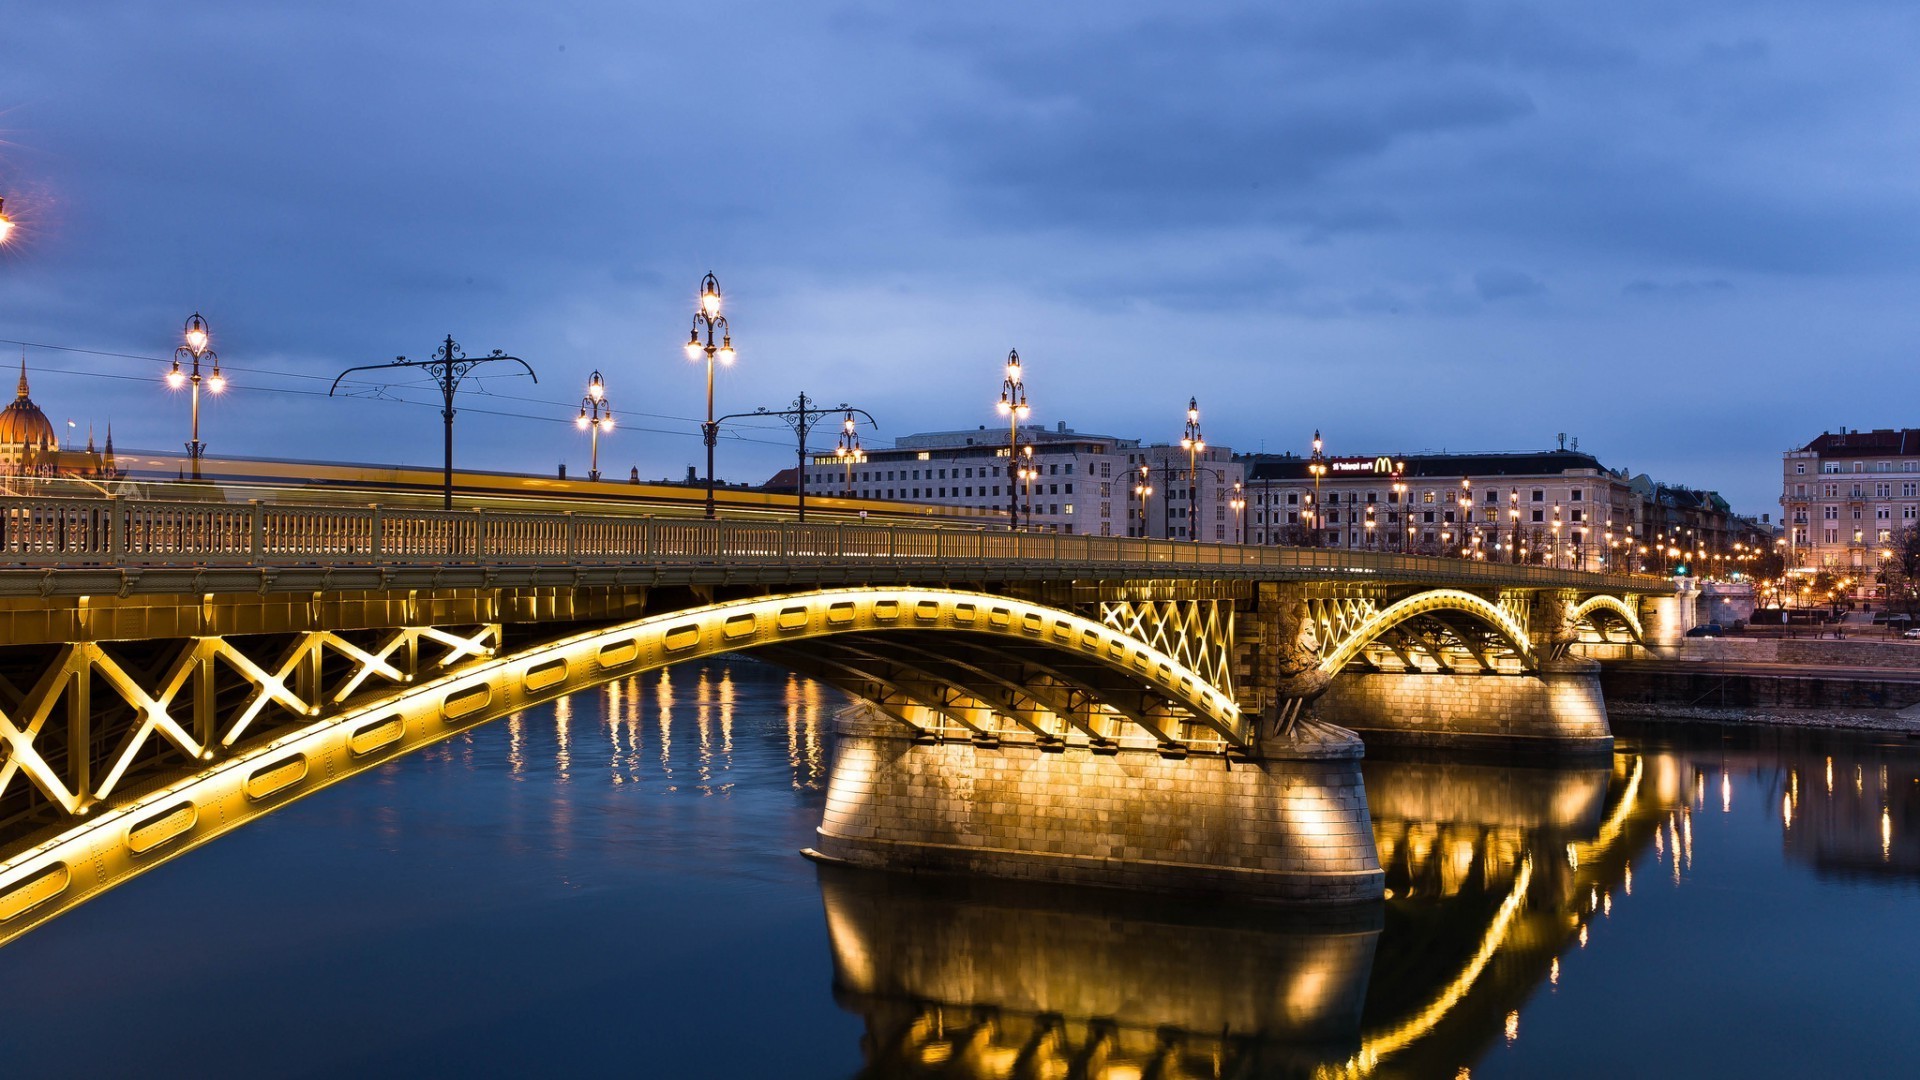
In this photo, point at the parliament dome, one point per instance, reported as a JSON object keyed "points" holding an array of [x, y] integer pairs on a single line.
{"points": [[22, 423]]}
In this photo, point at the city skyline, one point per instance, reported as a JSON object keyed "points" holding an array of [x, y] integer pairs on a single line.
{"points": [[1456, 227]]}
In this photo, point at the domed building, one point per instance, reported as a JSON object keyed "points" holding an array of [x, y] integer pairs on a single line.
{"points": [[30, 448], [25, 432]]}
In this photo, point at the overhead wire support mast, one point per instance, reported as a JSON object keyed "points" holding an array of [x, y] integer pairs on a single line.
{"points": [[450, 364], [803, 416]]}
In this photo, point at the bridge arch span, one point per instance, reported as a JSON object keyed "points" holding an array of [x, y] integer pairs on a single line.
{"points": [[1603, 604], [113, 840], [1433, 601]]}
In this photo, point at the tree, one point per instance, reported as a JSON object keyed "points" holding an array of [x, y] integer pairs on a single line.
{"points": [[1900, 571], [1766, 569]]}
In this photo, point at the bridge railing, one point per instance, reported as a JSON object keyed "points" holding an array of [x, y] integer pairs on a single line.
{"points": [[138, 533]]}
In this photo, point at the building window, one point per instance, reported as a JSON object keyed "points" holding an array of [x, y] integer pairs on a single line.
{"points": [[1539, 515], [1427, 498], [1800, 468], [1539, 496], [1576, 515], [1829, 466]]}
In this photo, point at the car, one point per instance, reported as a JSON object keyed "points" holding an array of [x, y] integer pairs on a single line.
{"points": [[1911, 633], [1712, 629]]}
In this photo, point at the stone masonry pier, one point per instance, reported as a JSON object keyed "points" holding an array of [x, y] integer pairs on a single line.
{"points": [[1288, 825], [1559, 710]]}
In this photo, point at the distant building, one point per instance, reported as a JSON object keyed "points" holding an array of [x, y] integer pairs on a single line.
{"points": [[1845, 497], [30, 451], [1082, 484], [1552, 506], [1556, 507]]}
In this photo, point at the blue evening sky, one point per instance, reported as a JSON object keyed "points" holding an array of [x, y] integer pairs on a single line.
{"points": [[1681, 233]]}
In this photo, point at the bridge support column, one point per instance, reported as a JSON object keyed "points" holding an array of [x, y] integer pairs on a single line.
{"points": [[1289, 825], [1557, 710]]}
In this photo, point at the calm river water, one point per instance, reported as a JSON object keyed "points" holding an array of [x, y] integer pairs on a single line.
{"points": [[610, 884]]}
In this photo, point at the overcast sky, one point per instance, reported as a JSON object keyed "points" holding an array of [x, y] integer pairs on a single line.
{"points": [[1683, 233]]}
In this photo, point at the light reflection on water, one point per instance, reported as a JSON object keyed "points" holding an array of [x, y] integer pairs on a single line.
{"points": [[587, 886]]}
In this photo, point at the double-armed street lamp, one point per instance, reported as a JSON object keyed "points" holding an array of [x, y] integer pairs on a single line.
{"points": [[195, 349], [849, 451], [1194, 444], [1013, 405], [706, 316], [596, 416], [450, 365], [802, 416]]}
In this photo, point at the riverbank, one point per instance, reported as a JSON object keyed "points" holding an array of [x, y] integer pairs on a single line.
{"points": [[1834, 719]]}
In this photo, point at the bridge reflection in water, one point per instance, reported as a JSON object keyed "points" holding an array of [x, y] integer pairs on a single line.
{"points": [[1492, 872]]}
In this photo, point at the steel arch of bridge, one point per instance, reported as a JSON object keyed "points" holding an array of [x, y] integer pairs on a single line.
{"points": [[111, 840], [1628, 615], [1501, 621]]}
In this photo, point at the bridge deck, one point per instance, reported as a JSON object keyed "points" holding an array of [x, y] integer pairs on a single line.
{"points": [[126, 547]]}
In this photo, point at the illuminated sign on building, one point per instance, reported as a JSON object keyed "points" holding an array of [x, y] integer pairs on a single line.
{"points": [[1378, 466]]}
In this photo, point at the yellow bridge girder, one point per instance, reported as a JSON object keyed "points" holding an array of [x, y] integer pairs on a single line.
{"points": [[113, 837]]}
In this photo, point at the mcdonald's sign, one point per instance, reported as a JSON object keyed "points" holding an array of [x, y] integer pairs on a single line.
{"points": [[1376, 466]]}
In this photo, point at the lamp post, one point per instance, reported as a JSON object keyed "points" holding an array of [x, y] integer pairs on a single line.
{"points": [[849, 451], [596, 415], [1513, 513], [1028, 473], [1468, 535], [1239, 504], [802, 416], [1406, 512], [197, 338], [450, 364], [1317, 467], [1013, 406], [707, 316], [1192, 442], [1143, 490]]}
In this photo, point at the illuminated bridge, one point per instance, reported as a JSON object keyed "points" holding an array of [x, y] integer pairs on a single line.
{"points": [[1033, 705]]}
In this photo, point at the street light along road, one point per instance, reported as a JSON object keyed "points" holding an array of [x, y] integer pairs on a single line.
{"points": [[707, 316], [596, 415], [197, 339], [1013, 406]]}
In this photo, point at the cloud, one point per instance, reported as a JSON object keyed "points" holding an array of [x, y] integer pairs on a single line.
{"points": [[1505, 283]]}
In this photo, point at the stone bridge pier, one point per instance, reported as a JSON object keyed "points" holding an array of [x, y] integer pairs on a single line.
{"points": [[1487, 669]]}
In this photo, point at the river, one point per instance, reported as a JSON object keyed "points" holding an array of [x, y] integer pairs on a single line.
{"points": [[611, 884]]}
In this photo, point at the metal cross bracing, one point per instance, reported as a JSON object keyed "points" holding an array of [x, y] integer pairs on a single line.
{"points": [[1199, 633], [82, 723], [119, 756]]}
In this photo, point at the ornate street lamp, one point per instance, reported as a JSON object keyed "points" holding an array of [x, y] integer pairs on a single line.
{"points": [[1513, 511], [1013, 406], [193, 351], [1143, 490], [1468, 535], [1406, 511], [596, 415], [1192, 442], [1029, 472], [1316, 465], [707, 315], [1239, 504], [849, 451]]}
